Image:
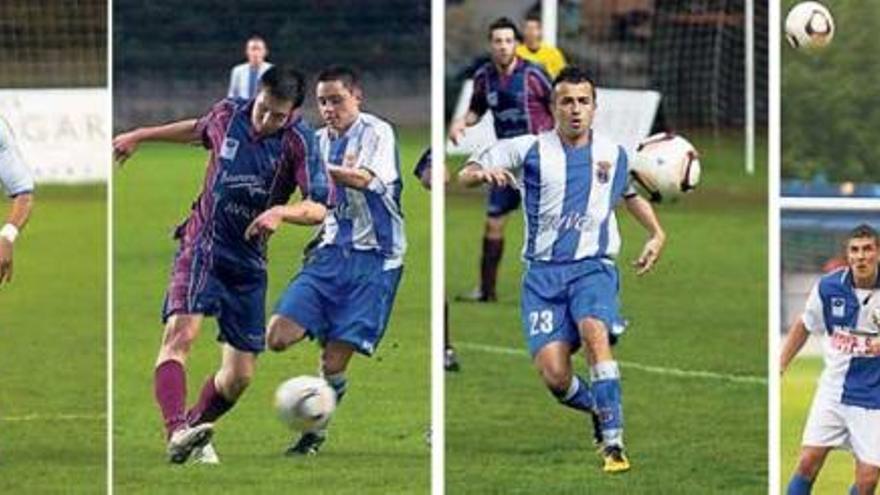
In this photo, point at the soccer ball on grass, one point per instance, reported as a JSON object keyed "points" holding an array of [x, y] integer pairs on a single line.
{"points": [[305, 402]]}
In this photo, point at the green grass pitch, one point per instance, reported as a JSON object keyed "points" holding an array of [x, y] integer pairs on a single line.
{"points": [[704, 308], [798, 387], [377, 439], [53, 321]]}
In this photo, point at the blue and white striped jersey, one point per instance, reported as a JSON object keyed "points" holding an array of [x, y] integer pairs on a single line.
{"points": [[848, 322], [369, 219], [569, 194], [15, 177], [244, 80]]}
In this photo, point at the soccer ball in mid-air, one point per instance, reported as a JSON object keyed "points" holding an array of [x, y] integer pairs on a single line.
{"points": [[666, 165], [809, 26], [305, 402]]}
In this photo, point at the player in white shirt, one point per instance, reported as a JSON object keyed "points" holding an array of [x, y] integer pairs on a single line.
{"points": [[343, 295], [18, 183], [843, 310], [571, 181], [244, 80]]}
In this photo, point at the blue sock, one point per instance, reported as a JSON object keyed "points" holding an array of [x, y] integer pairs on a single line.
{"points": [[853, 490], [799, 485], [606, 389], [339, 384], [577, 396]]}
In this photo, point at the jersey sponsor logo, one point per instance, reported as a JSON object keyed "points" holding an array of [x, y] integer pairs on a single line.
{"points": [[602, 172], [253, 184], [229, 148], [838, 307], [582, 222], [510, 115], [855, 342]]}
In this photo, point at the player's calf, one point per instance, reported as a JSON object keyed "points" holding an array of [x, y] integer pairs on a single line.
{"points": [[283, 333], [866, 479]]}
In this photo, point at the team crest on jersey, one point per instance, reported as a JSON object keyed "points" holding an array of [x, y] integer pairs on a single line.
{"points": [[603, 172], [492, 98], [229, 148], [838, 307]]}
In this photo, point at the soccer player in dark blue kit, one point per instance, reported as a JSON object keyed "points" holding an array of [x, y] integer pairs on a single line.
{"points": [[517, 92], [261, 150]]}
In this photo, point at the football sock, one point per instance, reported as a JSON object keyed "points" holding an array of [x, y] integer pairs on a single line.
{"points": [[169, 387], [606, 390], [577, 396], [339, 384], [853, 490], [799, 485], [492, 251], [211, 404]]}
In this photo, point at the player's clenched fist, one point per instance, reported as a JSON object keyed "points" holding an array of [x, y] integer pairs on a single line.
{"points": [[124, 145], [265, 224]]}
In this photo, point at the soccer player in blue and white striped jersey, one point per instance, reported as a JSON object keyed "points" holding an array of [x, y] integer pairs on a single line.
{"points": [[18, 183], [571, 181], [843, 311], [343, 295]]}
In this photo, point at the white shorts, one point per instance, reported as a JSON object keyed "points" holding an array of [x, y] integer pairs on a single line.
{"points": [[853, 428]]}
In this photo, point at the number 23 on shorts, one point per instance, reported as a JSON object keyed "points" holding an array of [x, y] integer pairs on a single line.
{"points": [[540, 322]]}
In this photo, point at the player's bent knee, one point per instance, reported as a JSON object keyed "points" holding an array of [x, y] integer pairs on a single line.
{"points": [[283, 333], [556, 377]]}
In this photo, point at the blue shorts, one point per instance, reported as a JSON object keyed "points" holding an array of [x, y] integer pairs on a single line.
{"points": [[502, 200], [555, 297], [341, 296], [235, 295]]}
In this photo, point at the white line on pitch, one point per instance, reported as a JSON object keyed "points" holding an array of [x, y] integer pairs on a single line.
{"points": [[54, 417], [659, 370]]}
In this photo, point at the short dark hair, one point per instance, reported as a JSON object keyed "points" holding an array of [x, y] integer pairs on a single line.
{"points": [[504, 23], [257, 37], [533, 16], [863, 231], [344, 74], [285, 83], [574, 75]]}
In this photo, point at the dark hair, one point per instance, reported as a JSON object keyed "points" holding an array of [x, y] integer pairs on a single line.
{"points": [[574, 75], [285, 83], [504, 23], [257, 37], [863, 231], [346, 75], [533, 16]]}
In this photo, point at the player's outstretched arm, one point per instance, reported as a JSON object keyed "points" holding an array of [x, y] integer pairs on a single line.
{"points": [[305, 212], [644, 213], [125, 144], [797, 337], [473, 175], [15, 222]]}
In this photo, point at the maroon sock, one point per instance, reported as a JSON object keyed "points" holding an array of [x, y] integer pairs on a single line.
{"points": [[169, 386], [211, 404], [492, 250]]}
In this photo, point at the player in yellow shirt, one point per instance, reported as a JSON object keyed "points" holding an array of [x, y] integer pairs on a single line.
{"points": [[535, 50]]}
